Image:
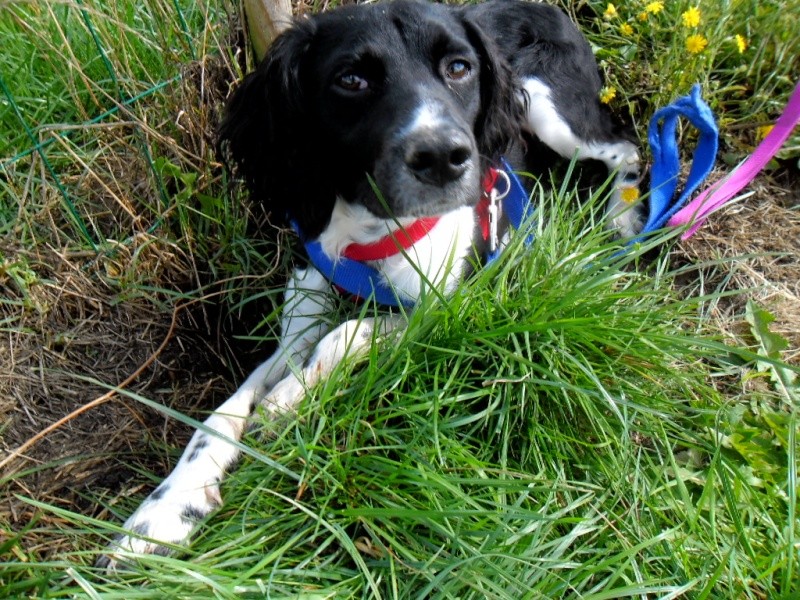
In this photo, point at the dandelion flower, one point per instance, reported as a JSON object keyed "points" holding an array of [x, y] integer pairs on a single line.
{"points": [[607, 94], [763, 131], [642, 16], [629, 195], [654, 7], [696, 43], [691, 18], [741, 43], [626, 29], [611, 11]]}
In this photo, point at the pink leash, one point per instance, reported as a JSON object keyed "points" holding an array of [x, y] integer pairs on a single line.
{"points": [[711, 199]]}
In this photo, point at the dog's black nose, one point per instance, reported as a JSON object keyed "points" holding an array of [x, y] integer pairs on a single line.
{"points": [[438, 157]]}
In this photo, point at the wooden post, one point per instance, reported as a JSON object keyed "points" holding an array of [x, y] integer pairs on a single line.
{"points": [[265, 20]]}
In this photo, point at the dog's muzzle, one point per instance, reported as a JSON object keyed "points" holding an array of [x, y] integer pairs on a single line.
{"points": [[438, 156]]}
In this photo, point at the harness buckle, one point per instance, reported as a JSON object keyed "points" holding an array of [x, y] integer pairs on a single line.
{"points": [[495, 207]]}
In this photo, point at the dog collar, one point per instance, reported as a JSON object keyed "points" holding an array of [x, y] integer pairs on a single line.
{"points": [[350, 274], [399, 239]]}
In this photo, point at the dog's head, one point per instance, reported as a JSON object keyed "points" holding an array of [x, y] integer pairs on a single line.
{"points": [[410, 95]]}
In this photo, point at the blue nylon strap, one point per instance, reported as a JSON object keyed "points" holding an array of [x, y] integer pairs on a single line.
{"points": [[356, 278], [666, 160], [517, 203], [363, 281]]}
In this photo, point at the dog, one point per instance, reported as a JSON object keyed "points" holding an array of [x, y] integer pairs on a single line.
{"points": [[361, 126]]}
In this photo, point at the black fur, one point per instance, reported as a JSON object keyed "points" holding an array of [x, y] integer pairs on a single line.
{"points": [[299, 142], [293, 143], [201, 443]]}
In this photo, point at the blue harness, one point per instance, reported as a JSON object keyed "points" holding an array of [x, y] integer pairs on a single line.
{"points": [[364, 281]]}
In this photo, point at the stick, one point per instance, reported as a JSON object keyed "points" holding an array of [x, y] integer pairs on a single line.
{"points": [[265, 20]]}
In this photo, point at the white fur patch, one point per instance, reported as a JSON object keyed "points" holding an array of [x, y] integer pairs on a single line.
{"points": [[438, 258], [620, 157], [355, 224], [546, 122], [428, 116]]}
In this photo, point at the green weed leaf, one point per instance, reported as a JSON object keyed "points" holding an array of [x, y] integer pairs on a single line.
{"points": [[770, 345]]}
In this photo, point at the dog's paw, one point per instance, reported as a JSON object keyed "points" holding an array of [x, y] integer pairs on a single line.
{"points": [[630, 223], [626, 213], [166, 518]]}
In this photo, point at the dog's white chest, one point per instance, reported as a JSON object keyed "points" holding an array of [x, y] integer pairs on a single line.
{"points": [[437, 260]]}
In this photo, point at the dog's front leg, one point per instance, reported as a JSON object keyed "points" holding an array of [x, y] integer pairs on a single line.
{"points": [[191, 491], [350, 340]]}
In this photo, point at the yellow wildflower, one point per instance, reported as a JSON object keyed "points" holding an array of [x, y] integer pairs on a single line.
{"points": [[691, 18], [654, 7], [626, 29], [763, 131], [741, 43], [696, 43], [607, 94], [611, 11], [629, 195], [642, 16]]}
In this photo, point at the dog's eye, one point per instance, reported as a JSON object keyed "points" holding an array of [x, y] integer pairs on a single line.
{"points": [[457, 70], [352, 82]]}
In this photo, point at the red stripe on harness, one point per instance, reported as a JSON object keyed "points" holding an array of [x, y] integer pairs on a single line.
{"points": [[482, 208], [403, 239], [400, 239]]}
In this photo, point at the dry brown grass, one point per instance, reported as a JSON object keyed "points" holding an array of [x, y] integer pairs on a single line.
{"points": [[74, 338], [145, 312], [754, 245]]}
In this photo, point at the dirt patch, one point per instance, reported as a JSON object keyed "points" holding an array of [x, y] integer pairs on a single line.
{"points": [[73, 340], [754, 246]]}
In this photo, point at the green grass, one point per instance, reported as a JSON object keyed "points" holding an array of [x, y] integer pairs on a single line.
{"points": [[112, 51], [553, 431], [568, 426]]}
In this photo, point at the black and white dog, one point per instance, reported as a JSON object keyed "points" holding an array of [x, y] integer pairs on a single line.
{"points": [[417, 101]]}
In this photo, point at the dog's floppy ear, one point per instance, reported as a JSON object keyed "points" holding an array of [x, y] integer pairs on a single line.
{"points": [[261, 132], [501, 97]]}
